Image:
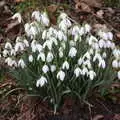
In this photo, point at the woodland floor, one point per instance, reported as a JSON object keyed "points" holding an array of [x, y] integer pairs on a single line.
{"points": [[14, 102]]}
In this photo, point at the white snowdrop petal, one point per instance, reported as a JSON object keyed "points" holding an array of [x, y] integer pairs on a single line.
{"points": [[30, 58], [41, 81], [72, 52], [53, 68], [65, 65], [61, 75], [45, 68]]}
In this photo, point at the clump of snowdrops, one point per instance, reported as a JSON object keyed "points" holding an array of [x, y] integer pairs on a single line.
{"points": [[66, 59]]}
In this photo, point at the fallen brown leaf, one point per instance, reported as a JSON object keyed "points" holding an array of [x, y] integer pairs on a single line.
{"points": [[118, 35]]}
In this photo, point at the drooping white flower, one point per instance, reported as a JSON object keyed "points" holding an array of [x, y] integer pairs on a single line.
{"points": [[41, 56], [87, 55], [91, 74], [26, 43], [63, 26], [115, 64], [39, 47], [88, 64], [8, 61], [49, 57], [44, 34], [13, 63], [87, 28], [118, 74], [82, 31], [30, 58], [101, 43], [18, 16], [61, 36], [45, 19], [116, 53], [110, 35], [84, 71], [19, 46], [80, 61], [102, 64], [45, 68], [63, 16], [33, 31], [36, 15], [27, 29], [12, 52], [72, 52], [8, 45], [33, 46], [41, 81], [5, 53], [97, 57], [52, 68], [65, 65], [48, 44], [61, 75], [104, 55], [77, 72], [60, 54], [21, 63], [75, 30]]}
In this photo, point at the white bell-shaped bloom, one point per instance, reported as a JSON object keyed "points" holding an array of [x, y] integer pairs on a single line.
{"points": [[65, 65], [30, 58], [102, 64], [49, 57], [41, 56], [60, 54], [21, 63], [45, 68], [39, 47], [87, 28], [61, 75], [63, 16], [27, 29], [8, 45], [48, 44], [97, 57], [72, 52], [80, 61], [12, 52], [104, 55], [19, 46], [88, 64], [45, 19], [75, 30], [118, 74], [41, 81], [110, 35], [87, 55], [61, 36], [53, 68], [13, 63], [36, 15], [77, 72], [84, 71], [44, 34], [92, 74], [63, 26], [115, 64], [26, 43], [5, 53], [8, 61], [18, 16], [101, 43], [82, 31], [116, 53]]}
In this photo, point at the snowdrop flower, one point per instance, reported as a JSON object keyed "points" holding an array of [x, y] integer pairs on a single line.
{"points": [[72, 52], [110, 35], [91, 74], [84, 71], [63, 26], [63, 16], [27, 29], [72, 43], [108, 44], [115, 64], [88, 63], [13, 63], [87, 55], [76, 38], [92, 40], [80, 61], [49, 57], [97, 57], [45, 19], [61, 75], [118, 74], [39, 47], [102, 64], [30, 58], [95, 46], [41, 81], [54, 40], [36, 15], [33, 31], [19, 46], [101, 43], [65, 65], [104, 55], [44, 34], [8, 61], [21, 63], [60, 54], [61, 36], [8, 45], [26, 43], [82, 31], [116, 53], [75, 30], [45, 68], [105, 36], [5, 53], [18, 16], [87, 28], [77, 72], [42, 56], [52, 68], [48, 44], [12, 52]]}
